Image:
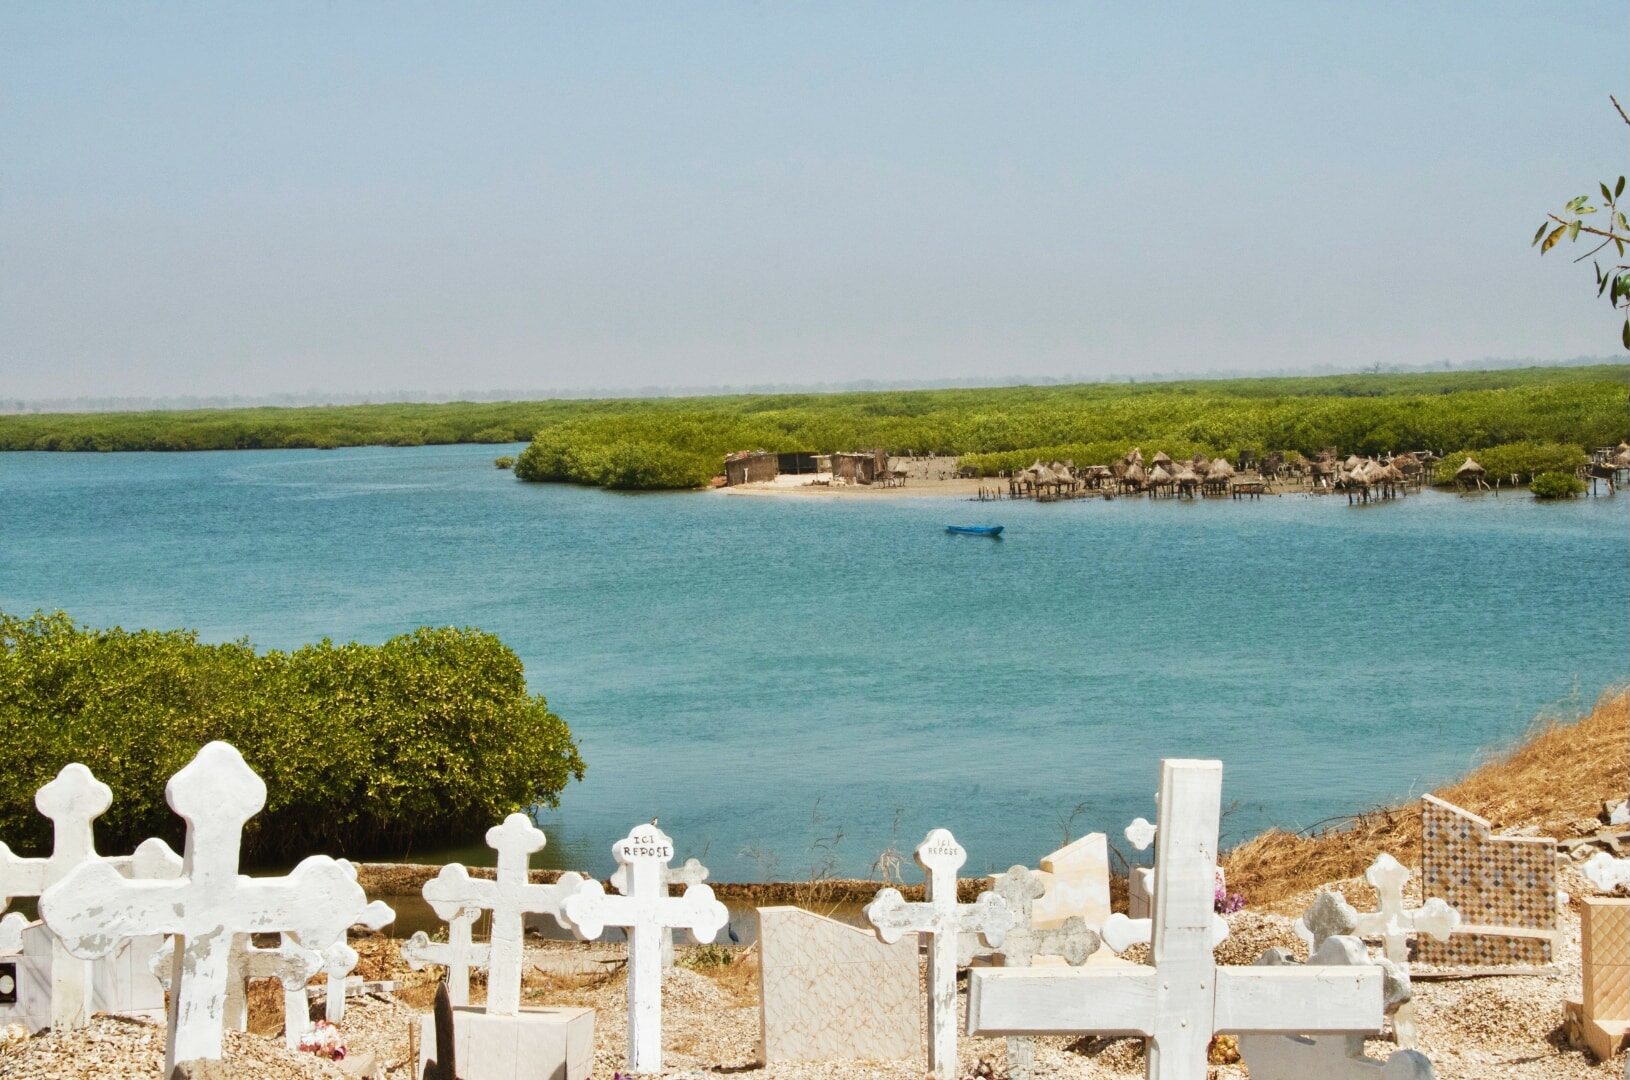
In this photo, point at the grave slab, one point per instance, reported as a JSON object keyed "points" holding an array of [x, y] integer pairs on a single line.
{"points": [[1602, 1014], [829, 991], [532, 1044]]}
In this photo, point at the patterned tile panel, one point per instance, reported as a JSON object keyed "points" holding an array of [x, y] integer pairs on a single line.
{"points": [[1605, 949], [1494, 881], [829, 991]]}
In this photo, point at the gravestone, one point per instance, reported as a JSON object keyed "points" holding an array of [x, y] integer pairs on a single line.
{"points": [[1393, 923], [1601, 1016], [458, 954], [943, 920], [1140, 880], [509, 896], [121, 984], [288, 962], [93, 910], [647, 913], [1073, 941], [829, 991], [1326, 1057], [1075, 879], [1504, 888], [692, 873], [340, 959], [73, 800], [1184, 998]]}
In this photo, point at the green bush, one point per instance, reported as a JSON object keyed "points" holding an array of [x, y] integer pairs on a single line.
{"points": [[1555, 485], [1520, 459], [505, 462], [429, 738]]}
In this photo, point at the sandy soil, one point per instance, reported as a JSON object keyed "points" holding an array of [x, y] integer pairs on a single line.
{"points": [[913, 489]]}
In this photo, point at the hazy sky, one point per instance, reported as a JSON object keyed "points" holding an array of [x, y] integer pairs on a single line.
{"points": [[252, 198]]}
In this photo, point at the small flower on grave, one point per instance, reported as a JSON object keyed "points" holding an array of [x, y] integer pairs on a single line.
{"points": [[324, 1041], [1224, 1050]]}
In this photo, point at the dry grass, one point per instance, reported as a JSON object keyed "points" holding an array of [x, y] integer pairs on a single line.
{"points": [[1556, 780]]}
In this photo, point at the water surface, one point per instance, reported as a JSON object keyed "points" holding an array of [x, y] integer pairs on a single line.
{"points": [[794, 685]]}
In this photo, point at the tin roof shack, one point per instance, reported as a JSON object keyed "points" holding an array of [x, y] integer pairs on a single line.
{"points": [[865, 467], [751, 467]]}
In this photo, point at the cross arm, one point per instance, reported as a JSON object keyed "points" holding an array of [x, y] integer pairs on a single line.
{"points": [[1050, 1001], [1299, 1000], [94, 908]]}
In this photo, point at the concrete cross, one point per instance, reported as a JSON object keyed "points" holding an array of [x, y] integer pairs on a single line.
{"points": [[1330, 915], [647, 913], [340, 958], [1140, 834], [1606, 873], [11, 932], [458, 954], [1342, 1057], [1074, 940], [510, 897], [692, 873], [93, 909], [1184, 998], [944, 921], [73, 800], [287, 962]]}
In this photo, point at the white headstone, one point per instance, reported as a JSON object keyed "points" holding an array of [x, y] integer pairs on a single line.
{"points": [[510, 897], [458, 954], [93, 909], [73, 800], [1180, 1002], [944, 921], [647, 913], [691, 873]]}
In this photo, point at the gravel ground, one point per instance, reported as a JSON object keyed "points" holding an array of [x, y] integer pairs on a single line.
{"points": [[1474, 1029]]}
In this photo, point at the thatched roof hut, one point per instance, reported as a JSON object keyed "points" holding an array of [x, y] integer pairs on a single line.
{"points": [[1468, 469], [1161, 458], [1159, 477], [1220, 470], [1353, 461], [1134, 456], [1187, 477], [1135, 475]]}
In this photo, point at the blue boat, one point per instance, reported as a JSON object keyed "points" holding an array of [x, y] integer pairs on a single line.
{"points": [[975, 530]]}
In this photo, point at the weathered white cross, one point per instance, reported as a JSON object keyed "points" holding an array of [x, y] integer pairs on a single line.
{"points": [[93, 909], [1074, 941], [73, 801], [340, 958], [1184, 998], [648, 913], [288, 962], [1393, 923], [944, 921], [458, 954], [692, 873], [1341, 1057], [510, 896]]}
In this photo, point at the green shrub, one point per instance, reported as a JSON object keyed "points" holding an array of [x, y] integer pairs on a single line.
{"points": [[429, 738], [505, 462], [1555, 485], [1521, 459]]}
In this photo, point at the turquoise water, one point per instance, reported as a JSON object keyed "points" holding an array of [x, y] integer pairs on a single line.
{"points": [[794, 684]]}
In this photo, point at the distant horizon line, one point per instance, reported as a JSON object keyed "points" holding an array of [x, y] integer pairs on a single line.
{"points": [[315, 398]]}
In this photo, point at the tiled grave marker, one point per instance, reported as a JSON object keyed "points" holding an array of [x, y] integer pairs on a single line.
{"points": [[1504, 888], [1076, 880], [93, 909], [691, 873], [647, 912], [1073, 941], [73, 800], [1326, 1057], [829, 991], [458, 954], [509, 896], [1601, 1016], [943, 920], [1393, 924], [1184, 998]]}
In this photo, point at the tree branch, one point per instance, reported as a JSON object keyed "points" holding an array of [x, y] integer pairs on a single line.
{"points": [[1594, 232], [1619, 107]]}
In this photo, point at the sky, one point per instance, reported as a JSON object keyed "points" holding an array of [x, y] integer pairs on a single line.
{"points": [[248, 199]]}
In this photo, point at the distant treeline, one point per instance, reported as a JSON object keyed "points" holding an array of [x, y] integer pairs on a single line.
{"points": [[680, 442]]}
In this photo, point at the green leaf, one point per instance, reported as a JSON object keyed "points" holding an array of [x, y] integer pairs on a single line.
{"points": [[1550, 241], [1626, 334], [1607, 196], [1542, 227], [1618, 189], [1573, 232]]}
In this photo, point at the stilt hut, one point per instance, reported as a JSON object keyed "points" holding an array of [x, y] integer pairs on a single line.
{"points": [[1134, 478], [1218, 477], [1470, 475], [1188, 482], [1160, 481], [1163, 460]]}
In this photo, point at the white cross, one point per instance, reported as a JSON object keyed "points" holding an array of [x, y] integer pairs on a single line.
{"points": [[288, 962], [73, 801], [1184, 998], [341, 958], [510, 896], [1140, 834], [1074, 940], [1606, 873], [944, 921], [692, 873], [93, 909], [648, 913], [458, 954], [11, 931], [1297, 1057]]}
